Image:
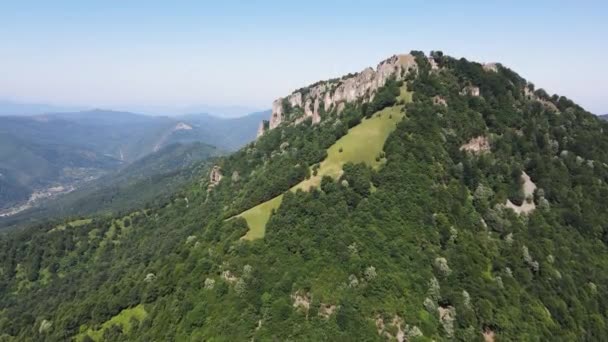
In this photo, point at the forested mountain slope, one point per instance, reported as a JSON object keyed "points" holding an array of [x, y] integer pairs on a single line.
{"points": [[152, 179], [44, 153], [483, 218]]}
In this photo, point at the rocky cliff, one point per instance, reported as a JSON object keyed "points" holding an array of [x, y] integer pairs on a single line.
{"points": [[335, 93]]}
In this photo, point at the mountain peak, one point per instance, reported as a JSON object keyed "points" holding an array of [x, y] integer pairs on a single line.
{"points": [[325, 95]]}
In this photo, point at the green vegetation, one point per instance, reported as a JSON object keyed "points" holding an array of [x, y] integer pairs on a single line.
{"points": [[362, 144], [119, 324], [72, 224], [258, 216], [423, 244]]}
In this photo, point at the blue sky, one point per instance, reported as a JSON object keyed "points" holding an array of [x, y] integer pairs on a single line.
{"points": [[164, 54]]}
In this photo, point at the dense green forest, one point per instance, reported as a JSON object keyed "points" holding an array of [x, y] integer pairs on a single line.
{"points": [[486, 221]]}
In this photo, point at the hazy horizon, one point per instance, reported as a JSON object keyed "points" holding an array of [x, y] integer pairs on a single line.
{"points": [[137, 55]]}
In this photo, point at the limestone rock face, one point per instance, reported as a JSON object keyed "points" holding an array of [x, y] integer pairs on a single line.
{"points": [[277, 113], [490, 67], [260, 130], [471, 91], [215, 176], [478, 144], [328, 94]]}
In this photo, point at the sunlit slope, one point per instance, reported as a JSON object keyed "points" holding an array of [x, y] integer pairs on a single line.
{"points": [[362, 144]]}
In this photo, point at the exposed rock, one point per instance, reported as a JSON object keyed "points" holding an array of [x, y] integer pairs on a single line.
{"points": [[326, 310], [360, 86], [434, 65], [470, 90], [215, 176], [490, 67], [261, 129], [478, 144], [488, 335], [209, 284], [370, 273], [447, 316], [229, 277], [530, 95], [397, 323], [150, 277], [439, 101], [528, 205], [276, 117], [302, 301], [341, 107]]}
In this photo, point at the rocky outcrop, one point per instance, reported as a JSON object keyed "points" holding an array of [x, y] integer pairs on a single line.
{"points": [[447, 316], [531, 95], [261, 130], [215, 176], [471, 91], [528, 205], [328, 94], [490, 67], [478, 144], [439, 101]]}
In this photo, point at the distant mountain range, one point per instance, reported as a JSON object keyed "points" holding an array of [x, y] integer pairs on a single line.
{"points": [[151, 179], [46, 154], [28, 109], [604, 116]]}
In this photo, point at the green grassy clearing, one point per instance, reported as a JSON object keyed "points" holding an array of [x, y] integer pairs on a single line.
{"points": [[72, 224], [123, 319], [362, 144]]}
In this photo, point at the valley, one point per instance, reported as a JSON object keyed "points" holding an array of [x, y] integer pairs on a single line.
{"points": [[69, 150]]}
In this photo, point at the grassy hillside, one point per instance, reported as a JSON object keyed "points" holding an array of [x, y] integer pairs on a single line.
{"points": [[426, 247], [362, 144]]}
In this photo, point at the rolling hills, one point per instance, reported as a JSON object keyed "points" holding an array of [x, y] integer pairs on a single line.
{"points": [[151, 179], [64, 150]]}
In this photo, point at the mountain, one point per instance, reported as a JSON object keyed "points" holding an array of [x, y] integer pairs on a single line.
{"points": [[427, 199], [604, 117], [152, 178], [11, 108], [28, 109], [233, 133], [55, 152]]}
